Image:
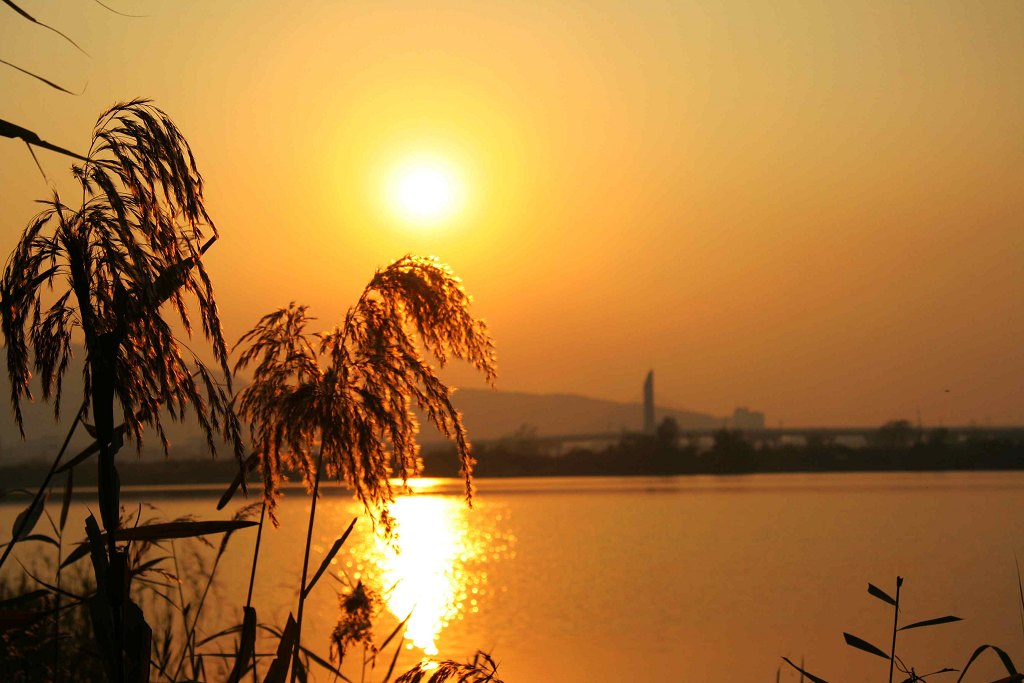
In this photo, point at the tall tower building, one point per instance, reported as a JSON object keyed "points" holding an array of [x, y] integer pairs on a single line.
{"points": [[649, 403]]}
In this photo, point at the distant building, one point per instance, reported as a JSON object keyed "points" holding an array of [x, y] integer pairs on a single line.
{"points": [[744, 418], [649, 404]]}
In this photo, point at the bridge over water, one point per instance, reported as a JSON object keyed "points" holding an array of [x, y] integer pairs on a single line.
{"points": [[777, 434]]}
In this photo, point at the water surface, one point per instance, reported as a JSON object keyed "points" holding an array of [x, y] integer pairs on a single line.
{"points": [[655, 579]]}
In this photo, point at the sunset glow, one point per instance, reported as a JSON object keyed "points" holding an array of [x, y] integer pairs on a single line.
{"points": [[592, 340]]}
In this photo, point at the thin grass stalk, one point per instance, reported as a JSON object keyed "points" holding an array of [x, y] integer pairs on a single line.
{"points": [[1020, 592], [56, 616], [252, 576], [256, 554], [895, 622], [181, 600], [46, 480], [190, 632], [305, 563]]}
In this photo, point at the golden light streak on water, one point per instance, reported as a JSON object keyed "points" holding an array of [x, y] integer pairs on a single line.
{"points": [[425, 570]]}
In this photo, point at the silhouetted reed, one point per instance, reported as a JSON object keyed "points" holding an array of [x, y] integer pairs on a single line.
{"points": [[339, 403], [133, 244]]}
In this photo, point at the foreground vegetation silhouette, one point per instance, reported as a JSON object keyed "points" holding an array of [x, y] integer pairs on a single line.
{"points": [[108, 269], [896, 663], [132, 245]]}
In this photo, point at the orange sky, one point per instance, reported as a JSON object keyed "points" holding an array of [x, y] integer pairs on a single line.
{"points": [[817, 212]]}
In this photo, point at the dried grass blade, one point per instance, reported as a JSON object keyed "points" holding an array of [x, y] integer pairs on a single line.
{"points": [[329, 556], [169, 530], [246, 646], [865, 646], [80, 551], [65, 505], [880, 594], [39, 78], [27, 518], [1003, 657], [394, 657], [249, 465], [317, 659], [396, 631], [931, 622], [91, 449], [35, 21], [1020, 589], [285, 647], [804, 673]]}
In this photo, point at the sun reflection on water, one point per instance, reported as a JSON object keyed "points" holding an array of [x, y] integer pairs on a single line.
{"points": [[435, 567]]}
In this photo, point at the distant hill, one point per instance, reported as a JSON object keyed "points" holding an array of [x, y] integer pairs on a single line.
{"points": [[43, 435], [488, 414], [492, 414]]}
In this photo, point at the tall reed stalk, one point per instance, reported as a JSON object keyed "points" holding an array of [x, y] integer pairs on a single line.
{"points": [[339, 403], [305, 558], [134, 244]]}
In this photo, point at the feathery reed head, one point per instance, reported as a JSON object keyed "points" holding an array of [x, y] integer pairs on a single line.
{"points": [[346, 395], [134, 245]]}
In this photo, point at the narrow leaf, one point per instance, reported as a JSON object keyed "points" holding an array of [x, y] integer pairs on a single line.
{"points": [[1003, 657], [328, 557], [22, 599], [880, 594], [243, 471], [246, 646], [169, 530], [398, 651], [38, 78], [80, 551], [26, 15], [69, 485], [395, 632], [317, 659], [285, 647], [39, 537], [861, 644], [118, 12], [1020, 589], [11, 130], [931, 622], [26, 519], [811, 676]]}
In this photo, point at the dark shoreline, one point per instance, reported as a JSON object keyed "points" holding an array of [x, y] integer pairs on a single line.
{"points": [[634, 456]]}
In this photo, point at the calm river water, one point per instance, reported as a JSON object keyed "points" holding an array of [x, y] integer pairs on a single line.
{"points": [[659, 579]]}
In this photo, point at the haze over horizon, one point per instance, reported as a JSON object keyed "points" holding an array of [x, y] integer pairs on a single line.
{"points": [[812, 211]]}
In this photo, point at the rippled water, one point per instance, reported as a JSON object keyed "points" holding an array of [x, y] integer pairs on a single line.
{"points": [[684, 578]]}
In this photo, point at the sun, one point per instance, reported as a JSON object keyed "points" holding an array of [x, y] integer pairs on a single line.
{"points": [[425, 191]]}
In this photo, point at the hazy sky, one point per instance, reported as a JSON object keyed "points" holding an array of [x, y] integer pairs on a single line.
{"points": [[816, 211]]}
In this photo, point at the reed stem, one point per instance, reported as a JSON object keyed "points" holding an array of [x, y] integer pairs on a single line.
{"points": [[895, 622], [305, 564]]}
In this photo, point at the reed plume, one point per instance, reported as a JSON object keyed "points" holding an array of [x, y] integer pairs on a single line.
{"points": [[345, 397]]}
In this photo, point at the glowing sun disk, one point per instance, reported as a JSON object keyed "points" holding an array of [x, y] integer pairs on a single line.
{"points": [[425, 191]]}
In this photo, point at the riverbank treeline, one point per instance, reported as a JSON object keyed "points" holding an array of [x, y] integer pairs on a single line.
{"points": [[894, 449]]}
